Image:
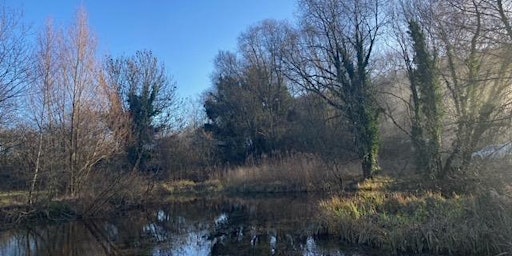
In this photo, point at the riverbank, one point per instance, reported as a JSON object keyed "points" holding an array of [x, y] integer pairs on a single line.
{"points": [[396, 214], [388, 214]]}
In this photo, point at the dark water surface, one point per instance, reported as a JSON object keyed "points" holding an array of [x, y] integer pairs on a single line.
{"points": [[277, 225]]}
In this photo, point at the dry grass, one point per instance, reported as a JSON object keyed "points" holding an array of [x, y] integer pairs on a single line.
{"points": [[13, 198], [296, 173], [183, 187], [428, 222]]}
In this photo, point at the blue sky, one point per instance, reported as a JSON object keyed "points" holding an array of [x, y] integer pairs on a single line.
{"points": [[185, 34]]}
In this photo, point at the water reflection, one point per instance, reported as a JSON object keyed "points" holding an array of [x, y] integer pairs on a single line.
{"points": [[223, 226]]}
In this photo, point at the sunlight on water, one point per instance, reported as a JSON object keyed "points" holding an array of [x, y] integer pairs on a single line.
{"points": [[162, 216], [221, 220], [193, 243]]}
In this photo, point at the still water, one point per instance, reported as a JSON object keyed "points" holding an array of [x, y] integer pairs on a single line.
{"points": [[277, 225]]}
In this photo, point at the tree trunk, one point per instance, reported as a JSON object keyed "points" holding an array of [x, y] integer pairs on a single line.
{"points": [[370, 164], [367, 138], [36, 170]]}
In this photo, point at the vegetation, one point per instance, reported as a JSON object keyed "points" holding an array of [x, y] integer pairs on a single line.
{"points": [[426, 99], [400, 221], [297, 173], [339, 101], [345, 33]]}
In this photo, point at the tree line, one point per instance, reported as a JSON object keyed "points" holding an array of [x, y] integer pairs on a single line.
{"points": [[439, 71], [326, 84]]}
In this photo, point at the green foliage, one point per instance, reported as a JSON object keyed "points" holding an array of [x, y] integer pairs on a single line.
{"points": [[248, 117]]}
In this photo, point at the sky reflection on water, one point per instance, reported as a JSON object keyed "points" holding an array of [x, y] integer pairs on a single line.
{"points": [[228, 226]]}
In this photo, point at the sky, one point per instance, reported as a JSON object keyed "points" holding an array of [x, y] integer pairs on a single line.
{"points": [[184, 34]]}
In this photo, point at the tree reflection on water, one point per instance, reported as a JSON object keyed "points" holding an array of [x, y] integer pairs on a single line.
{"points": [[284, 225]]}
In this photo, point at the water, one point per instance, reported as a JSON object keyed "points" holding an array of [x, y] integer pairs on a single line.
{"points": [[279, 225]]}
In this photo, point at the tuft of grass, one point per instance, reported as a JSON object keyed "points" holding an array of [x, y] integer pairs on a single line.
{"points": [[430, 222], [378, 183], [190, 187], [12, 198]]}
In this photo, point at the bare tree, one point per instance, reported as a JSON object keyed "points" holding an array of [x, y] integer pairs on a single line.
{"points": [[70, 105], [14, 59], [88, 137], [332, 57], [41, 94], [262, 65], [476, 67]]}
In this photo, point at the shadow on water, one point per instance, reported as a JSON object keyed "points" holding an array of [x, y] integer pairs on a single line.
{"points": [[283, 225]]}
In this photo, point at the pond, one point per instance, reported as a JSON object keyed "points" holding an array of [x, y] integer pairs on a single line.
{"points": [[276, 225]]}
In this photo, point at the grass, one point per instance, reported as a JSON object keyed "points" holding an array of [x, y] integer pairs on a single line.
{"points": [[298, 173], [289, 174], [381, 216], [188, 187], [13, 198], [295, 173]]}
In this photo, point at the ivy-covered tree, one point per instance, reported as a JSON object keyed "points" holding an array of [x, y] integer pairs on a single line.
{"points": [[149, 96], [426, 103], [460, 87], [330, 55]]}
